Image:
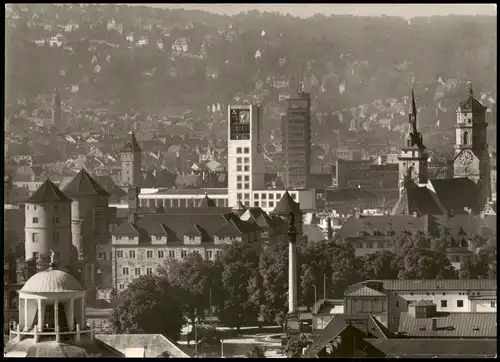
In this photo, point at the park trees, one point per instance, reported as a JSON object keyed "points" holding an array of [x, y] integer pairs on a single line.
{"points": [[195, 279], [148, 305]]}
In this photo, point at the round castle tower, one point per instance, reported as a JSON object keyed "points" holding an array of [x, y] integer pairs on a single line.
{"points": [[48, 223]]}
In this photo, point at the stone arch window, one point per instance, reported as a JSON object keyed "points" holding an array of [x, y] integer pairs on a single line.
{"points": [[466, 137]]}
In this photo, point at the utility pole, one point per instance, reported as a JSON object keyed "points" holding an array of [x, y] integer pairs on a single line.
{"points": [[195, 333], [313, 309], [324, 286], [211, 320]]}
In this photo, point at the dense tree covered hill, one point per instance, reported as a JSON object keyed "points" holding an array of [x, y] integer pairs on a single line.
{"points": [[373, 58]]}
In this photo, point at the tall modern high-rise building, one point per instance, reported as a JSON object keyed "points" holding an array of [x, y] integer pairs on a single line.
{"points": [[296, 140], [245, 154]]}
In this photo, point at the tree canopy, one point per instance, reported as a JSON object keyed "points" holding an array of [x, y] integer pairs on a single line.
{"points": [[148, 305]]}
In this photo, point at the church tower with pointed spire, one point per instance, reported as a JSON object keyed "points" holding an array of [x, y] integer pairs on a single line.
{"points": [[413, 156], [131, 158], [56, 109]]}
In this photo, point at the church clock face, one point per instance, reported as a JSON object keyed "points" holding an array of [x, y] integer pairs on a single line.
{"points": [[240, 124], [466, 158]]}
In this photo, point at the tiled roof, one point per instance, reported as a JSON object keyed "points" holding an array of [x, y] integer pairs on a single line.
{"points": [[400, 347], [472, 104], [287, 205], [380, 224], [313, 232], [207, 202], [110, 186], [48, 192], [432, 284], [418, 199], [131, 144], [338, 323], [422, 303], [365, 292], [456, 193], [178, 225], [457, 325], [155, 344], [51, 281], [84, 185]]}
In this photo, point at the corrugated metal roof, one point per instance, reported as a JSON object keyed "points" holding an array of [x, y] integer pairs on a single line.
{"points": [[458, 325]]}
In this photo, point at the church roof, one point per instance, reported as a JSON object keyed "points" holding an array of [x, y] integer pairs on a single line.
{"points": [[84, 185], [418, 200], [287, 205], [471, 104], [207, 202], [48, 192], [131, 145], [456, 193]]}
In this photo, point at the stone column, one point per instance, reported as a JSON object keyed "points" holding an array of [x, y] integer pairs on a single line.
{"points": [[82, 321], [292, 268], [26, 325], [40, 315], [56, 320], [71, 314]]}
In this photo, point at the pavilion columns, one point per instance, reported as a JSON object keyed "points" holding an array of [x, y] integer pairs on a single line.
{"points": [[56, 320], [25, 302], [40, 315], [71, 314]]}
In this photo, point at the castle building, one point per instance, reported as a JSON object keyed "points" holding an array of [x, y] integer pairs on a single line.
{"points": [[90, 217], [48, 224], [469, 190], [131, 158], [296, 140]]}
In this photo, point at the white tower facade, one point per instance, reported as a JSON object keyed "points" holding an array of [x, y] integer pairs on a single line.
{"points": [[245, 158], [48, 224]]}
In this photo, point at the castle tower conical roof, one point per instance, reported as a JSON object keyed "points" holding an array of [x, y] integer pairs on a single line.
{"points": [[48, 192], [84, 185]]}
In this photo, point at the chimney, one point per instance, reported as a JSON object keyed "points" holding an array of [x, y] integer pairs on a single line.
{"points": [[415, 214], [481, 214], [434, 324], [329, 228]]}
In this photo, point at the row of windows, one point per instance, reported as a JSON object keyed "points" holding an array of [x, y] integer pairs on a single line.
{"points": [[245, 168], [246, 160], [34, 207], [245, 150], [263, 204], [36, 220], [161, 253], [373, 245], [247, 178], [246, 186]]}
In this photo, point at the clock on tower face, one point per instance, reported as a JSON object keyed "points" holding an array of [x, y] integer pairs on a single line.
{"points": [[466, 158], [240, 124]]}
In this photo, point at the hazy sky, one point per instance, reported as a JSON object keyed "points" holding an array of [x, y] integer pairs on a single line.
{"points": [[306, 10]]}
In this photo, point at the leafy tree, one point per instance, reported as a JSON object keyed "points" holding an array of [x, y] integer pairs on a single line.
{"points": [[379, 265], [148, 305], [256, 351], [273, 289], [295, 345], [194, 278], [425, 264], [237, 266]]}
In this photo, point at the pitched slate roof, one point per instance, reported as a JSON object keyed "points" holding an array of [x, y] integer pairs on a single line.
{"points": [[457, 325], [481, 285], [207, 202], [380, 224], [463, 348], [420, 200], [175, 226], [472, 104], [339, 323], [84, 185], [313, 232], [48, 192], [287, 205], [365, 292], [131, 144], [110, 186], [456, 193]]}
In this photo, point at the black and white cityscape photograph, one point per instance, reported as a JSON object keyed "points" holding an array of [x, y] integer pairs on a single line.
{"points": [[250, 180]]}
